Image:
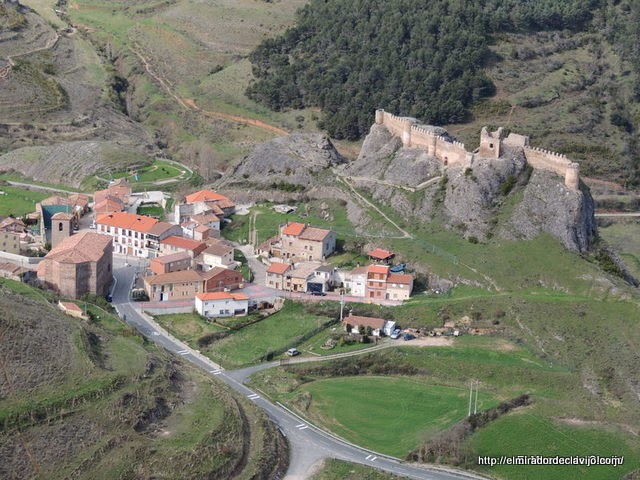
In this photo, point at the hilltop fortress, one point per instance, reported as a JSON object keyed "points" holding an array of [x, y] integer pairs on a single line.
{"points": [[414, 135]]}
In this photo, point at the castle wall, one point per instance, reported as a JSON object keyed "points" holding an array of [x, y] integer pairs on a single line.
{"points": [[546, 160], [450, 153], [454, 153]]}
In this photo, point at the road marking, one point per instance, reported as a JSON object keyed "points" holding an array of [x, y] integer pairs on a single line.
{"points": [[302, 428], [301, 425], [155, 333], [216, 372], [182, 352], [373, 459], [253, 396]]}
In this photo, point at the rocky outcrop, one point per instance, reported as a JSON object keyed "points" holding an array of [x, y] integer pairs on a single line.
{"points": [[382, 157], [549, 206], [470, 198], [294, 160]]}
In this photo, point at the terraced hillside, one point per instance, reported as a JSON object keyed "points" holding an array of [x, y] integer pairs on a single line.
{"points": [[92, 400], [55, 89]]}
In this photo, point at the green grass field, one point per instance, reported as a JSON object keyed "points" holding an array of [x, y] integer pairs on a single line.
{"points": [[267, 221], [17, 201], [151, 211], [391, 415], [275, 334], [188, 327], [526, 433]]}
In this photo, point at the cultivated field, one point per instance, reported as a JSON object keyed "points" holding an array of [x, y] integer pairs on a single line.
{"points": [[19, 201]]}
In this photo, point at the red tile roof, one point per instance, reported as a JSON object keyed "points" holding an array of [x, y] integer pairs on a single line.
{"points": [[185, 243], [71, 307], [108, 206], [222, 296], [293, 228], [314, 234], [278, 268], [384, 269], [138, 223], [380, 254], [80, 248], [403, 278], [204, 196]]}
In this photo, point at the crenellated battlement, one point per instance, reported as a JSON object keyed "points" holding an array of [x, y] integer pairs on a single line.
{"points": [[414, 135]]}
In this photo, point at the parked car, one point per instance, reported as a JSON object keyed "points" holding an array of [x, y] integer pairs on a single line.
{"points": [[292, 352], [398, 268], [318, 293], [395, 334], [109, 298], [408, 336]]}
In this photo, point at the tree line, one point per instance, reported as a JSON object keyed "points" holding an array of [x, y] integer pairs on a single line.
{"points": [[420, 59]]}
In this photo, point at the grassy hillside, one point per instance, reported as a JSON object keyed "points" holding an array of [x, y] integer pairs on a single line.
{"points": [[93, 400], [186, 68]]}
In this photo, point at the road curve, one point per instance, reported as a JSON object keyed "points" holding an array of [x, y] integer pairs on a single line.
{"points": [[308, 444]]}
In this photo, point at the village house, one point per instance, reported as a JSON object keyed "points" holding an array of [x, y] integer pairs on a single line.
{"points": [[321, 279], [356, 282], [204, 202], [218, 255], [135, 235], [298, 241], [219, 279], [107, 206], [399, 286], [174, 244], [222, 304], [180, 285], [171, 263], [368, 325], [80, 264], [10, 242], [118, 191], [276, 275], [185, 284], [380, 255]]}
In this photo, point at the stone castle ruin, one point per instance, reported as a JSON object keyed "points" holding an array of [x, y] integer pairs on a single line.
{"points": [[414, 135]]}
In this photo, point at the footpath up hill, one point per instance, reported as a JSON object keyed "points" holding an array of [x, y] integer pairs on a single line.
{"points": [[91, 400]]}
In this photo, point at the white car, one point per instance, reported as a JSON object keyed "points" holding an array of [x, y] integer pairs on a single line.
{"points": [[292, 352]]}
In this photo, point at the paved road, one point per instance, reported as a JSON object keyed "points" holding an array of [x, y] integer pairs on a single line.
{"points": [[308, 444]]}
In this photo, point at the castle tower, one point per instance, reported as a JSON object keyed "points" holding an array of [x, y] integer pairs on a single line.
{"points": [[572, 176], [61, 227], [379, 116], [490, 143]]}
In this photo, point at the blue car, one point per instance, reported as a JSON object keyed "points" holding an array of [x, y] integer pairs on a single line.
{"points": [[398, 268]]}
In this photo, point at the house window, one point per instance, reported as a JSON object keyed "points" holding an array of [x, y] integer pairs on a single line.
{"points": [[60, 226]]}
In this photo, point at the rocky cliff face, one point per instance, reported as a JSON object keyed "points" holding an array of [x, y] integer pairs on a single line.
{"points": [[288, 162], [469, 199]]}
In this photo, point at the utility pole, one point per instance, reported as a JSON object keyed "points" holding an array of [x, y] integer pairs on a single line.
{"points": [[341, 305], [470, 396], [475, 406]]}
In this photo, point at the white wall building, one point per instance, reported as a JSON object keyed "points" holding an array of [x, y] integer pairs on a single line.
{"points": [[222, 304]]}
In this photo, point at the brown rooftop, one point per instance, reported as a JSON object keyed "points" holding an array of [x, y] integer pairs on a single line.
{"points": [[182, 276], [83, 247]]}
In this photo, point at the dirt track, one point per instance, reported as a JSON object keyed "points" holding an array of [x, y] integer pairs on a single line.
{"points": [[190, 104]]}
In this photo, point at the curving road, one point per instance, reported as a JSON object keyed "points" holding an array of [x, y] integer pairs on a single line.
{"points": [[308, 444]]}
